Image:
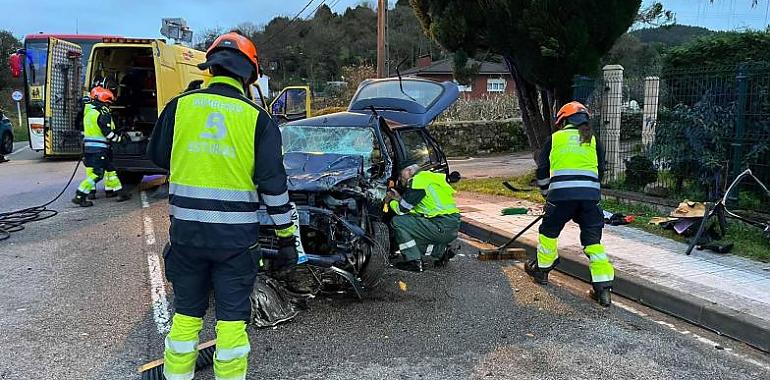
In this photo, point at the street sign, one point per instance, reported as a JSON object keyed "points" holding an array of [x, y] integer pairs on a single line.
{"points": [[17, 95]]}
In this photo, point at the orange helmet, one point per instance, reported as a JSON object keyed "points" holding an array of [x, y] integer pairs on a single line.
{"points": [[102, 94], [238, 42], [571, 109]]}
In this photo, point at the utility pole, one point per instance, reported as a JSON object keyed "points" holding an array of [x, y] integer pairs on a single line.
{"points": [[382, 39]]}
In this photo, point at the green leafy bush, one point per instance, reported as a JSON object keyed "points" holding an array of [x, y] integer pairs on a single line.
{"points": [[640, 171]]}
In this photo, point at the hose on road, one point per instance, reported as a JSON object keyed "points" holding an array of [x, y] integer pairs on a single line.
{"points": [[14, 221]]}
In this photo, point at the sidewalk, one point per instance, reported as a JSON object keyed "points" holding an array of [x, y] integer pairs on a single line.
{"points": [[724, 293]]}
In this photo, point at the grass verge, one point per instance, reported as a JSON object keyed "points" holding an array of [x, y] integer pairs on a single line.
{"points": [[749, 241]]}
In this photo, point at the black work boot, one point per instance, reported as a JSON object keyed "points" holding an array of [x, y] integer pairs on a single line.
{"points": [[602, 295], [110, 194], [92, 195], [122, 196], [81, 199], [539, 275], [410, 266]]}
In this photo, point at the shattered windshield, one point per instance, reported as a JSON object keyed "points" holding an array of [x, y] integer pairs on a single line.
{"points": [[338, 140], [422, 92]]}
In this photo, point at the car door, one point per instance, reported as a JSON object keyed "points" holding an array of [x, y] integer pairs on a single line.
{"points": [[63, 92], [417, 148], [292, 103]]}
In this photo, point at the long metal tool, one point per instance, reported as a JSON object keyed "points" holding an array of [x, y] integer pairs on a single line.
{"points": [[501, 250]]}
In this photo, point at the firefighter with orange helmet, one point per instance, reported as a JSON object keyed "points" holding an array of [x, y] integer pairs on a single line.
{"points": [[225, 147], [569, 174], [99, 134]]}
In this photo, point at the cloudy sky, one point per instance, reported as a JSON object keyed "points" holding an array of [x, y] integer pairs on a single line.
{"points": [[142, 17]]}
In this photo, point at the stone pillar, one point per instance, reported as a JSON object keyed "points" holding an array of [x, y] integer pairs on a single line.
{"points": [[650, 116], [609, 132]]}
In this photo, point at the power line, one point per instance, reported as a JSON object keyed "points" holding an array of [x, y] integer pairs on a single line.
{"points": [[297, 16]]}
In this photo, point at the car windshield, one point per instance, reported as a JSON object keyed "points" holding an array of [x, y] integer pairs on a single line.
{"points": [[424, 93], [329, 139]]}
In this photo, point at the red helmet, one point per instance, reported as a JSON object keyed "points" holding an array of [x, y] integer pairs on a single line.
{"points": [[240, 43], [571, 109], [102, 94]]}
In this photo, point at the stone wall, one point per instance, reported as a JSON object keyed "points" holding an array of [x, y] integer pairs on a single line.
{"points": [[472, 138]]}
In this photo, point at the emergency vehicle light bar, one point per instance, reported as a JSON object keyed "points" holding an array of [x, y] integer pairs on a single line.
{"points": [[121, 40]]}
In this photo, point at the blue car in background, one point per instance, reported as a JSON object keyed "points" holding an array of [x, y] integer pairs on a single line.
{"points": [[6, 134]]}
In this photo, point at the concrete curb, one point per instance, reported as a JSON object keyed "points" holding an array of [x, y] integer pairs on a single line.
{"points": [[722, 320]]}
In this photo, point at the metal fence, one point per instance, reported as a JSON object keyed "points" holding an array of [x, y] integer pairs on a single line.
{"points": [[684, 134]]}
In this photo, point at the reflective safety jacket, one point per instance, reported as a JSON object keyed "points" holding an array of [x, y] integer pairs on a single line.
{"points": [[570, 170], [98, 127], [429, 195], [223, 153]]}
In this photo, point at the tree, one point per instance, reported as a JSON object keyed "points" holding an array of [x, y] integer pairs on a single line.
{"points": [[544, 43]]}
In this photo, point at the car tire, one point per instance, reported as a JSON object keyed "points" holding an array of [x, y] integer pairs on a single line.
{"points": [[6, 143], [371, 275], [130, 178]]}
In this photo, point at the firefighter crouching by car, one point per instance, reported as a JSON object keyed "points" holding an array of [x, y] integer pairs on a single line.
{"points": [[427, 219], [219, 148], [569, 175], [99, 134]]}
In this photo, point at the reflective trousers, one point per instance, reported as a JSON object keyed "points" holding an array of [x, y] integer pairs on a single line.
{"points": [[417, 235], [99, 166], [588, 215], [193, 273]]}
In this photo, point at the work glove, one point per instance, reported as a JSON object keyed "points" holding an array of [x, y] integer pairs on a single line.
{"points": [[287, 255]]}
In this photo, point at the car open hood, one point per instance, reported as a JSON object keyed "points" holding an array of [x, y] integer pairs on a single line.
{"points": [[320, 171], [420, 102]]}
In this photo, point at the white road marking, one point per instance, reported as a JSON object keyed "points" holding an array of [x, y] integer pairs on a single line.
{"points": [[19, 150], [693, 335], [145, 202], [149, 231], [158, 292], [160, 309]]}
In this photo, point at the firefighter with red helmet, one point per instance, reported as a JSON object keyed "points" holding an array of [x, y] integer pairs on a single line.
{"points": [[99, 134], [569, 175], [219, 148]]}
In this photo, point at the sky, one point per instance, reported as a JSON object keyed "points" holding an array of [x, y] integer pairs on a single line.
{"points": [[142, 18]]}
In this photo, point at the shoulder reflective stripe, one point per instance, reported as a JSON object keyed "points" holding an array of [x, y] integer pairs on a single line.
{"points": [[407, 245], [275, 200], [207, 216], [177, 376], [602, 277], [572, 184], [209, 193], [226, 354], [587, 173], [405, 204], [280, 219], [181, 347]]}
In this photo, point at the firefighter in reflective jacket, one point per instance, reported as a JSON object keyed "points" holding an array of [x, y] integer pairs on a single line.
{"points": [[427, 218], [99, 134], [219, 148], [569, 175]]}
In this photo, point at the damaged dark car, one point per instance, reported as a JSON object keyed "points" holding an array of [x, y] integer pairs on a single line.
{"points": [[339, 167]]}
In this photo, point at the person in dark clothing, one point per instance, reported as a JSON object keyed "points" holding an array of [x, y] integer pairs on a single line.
{"points": [[219, 148], [569, 175]]}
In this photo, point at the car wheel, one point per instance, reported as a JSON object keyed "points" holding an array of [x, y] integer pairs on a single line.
{"points": [[7, 144], [371, 275]]}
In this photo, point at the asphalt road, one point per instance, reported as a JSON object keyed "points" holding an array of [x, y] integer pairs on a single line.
{"points": [[83, 299], [508, 165]]}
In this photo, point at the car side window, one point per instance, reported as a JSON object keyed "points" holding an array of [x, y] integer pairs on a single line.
{"points": [[415, 148], [431, 149]]}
